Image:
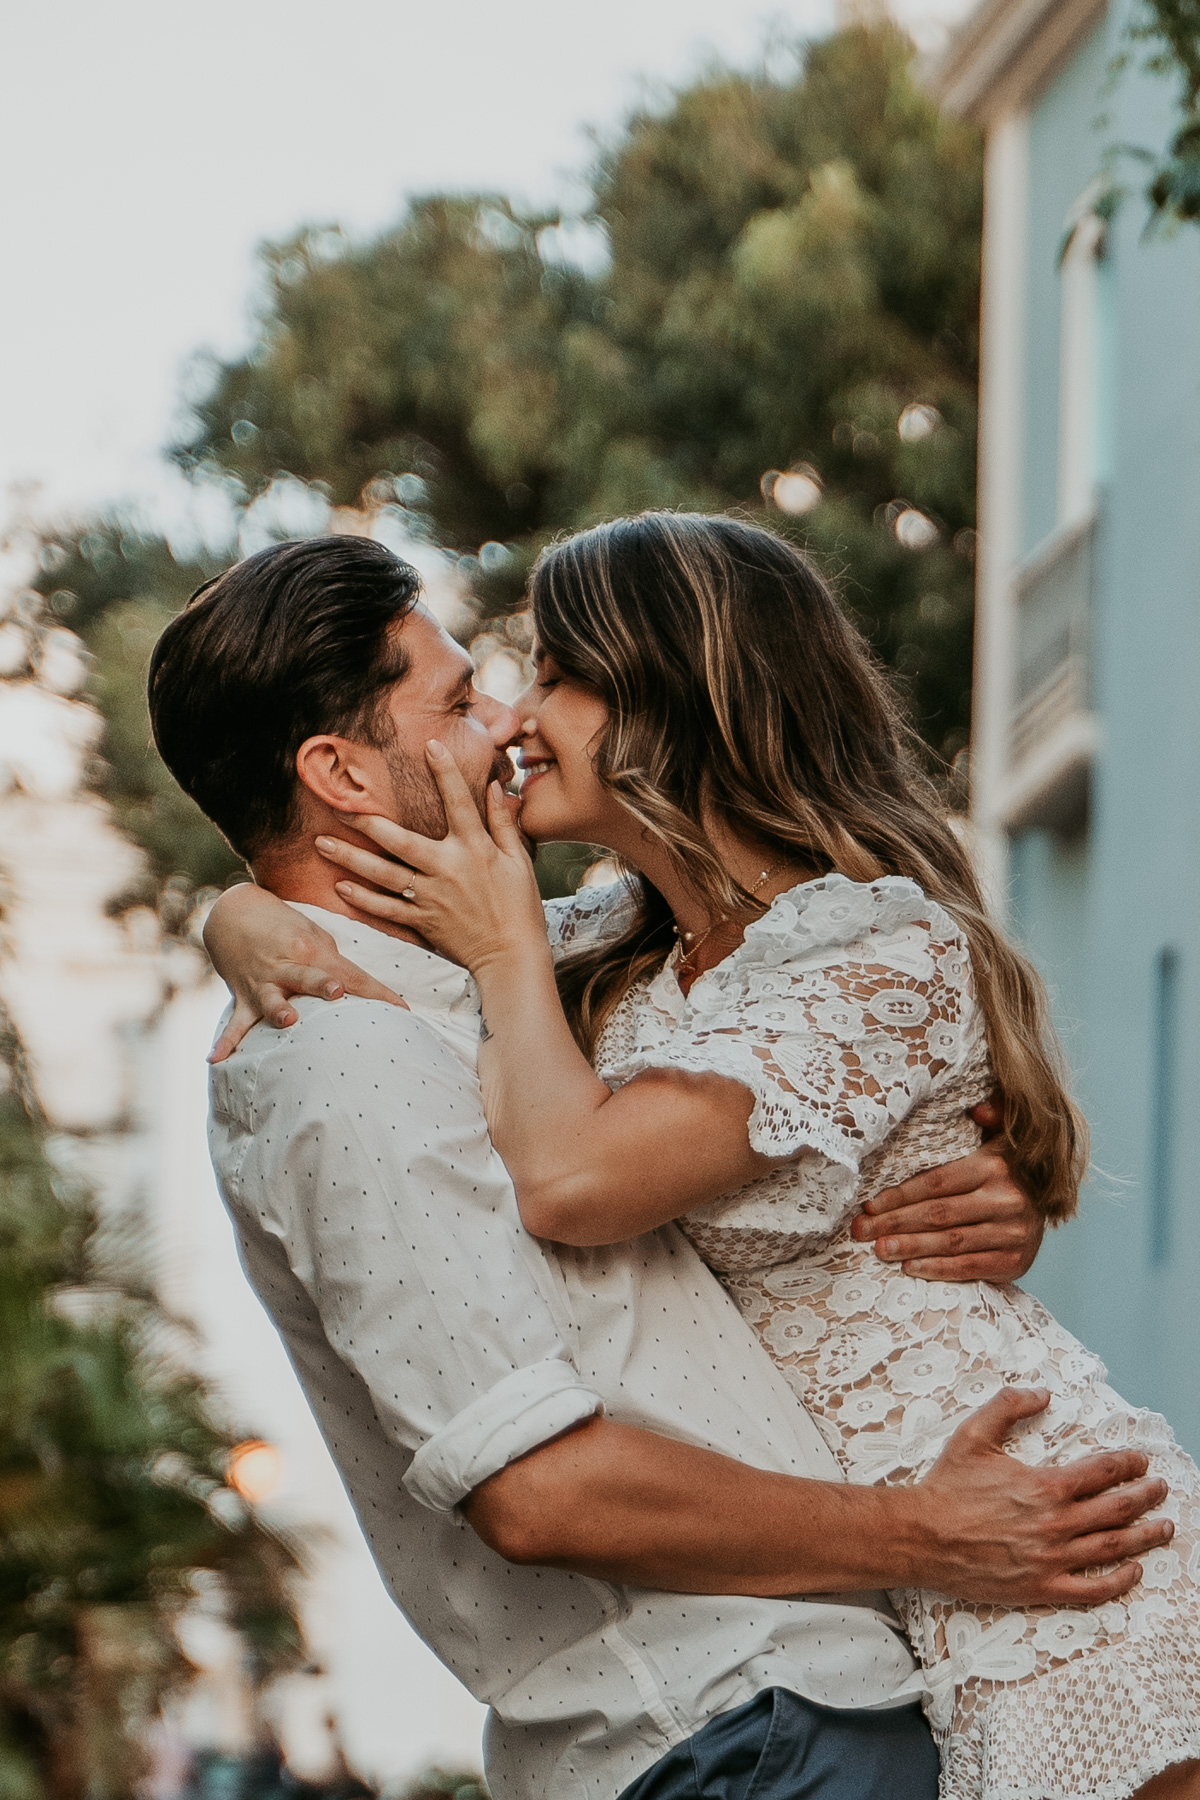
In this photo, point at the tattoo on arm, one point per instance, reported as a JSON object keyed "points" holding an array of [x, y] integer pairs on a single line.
{"points": [[484, 1033]]}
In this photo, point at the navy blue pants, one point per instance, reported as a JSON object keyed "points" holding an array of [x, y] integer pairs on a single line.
{"points": [[780, 1747]]}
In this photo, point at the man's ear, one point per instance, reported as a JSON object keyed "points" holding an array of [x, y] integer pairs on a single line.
{"points": [[336, 772]]}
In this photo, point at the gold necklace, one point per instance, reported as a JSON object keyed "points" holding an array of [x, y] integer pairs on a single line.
{"points": [[689, 937]]}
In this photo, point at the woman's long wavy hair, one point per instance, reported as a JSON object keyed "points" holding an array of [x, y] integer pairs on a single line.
{"points": [[741, 695]]}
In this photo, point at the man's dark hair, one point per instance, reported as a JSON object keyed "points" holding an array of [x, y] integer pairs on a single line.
{"points": [[290, 643]]}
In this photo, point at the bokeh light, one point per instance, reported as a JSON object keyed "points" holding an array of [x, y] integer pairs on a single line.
{"points": [[794, 491], [918, 422], [254, 1469]]}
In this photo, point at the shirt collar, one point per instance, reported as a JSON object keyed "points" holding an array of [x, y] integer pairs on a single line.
{"points": [[424, 979]]}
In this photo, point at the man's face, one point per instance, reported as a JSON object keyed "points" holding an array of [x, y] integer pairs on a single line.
{"points": [[437, 699]]}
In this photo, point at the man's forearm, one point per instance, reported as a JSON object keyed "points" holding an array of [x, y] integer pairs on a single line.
{"points": [[625, 1505]]}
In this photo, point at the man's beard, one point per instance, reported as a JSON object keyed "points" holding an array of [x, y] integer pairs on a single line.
{"points": [[417, 801]]}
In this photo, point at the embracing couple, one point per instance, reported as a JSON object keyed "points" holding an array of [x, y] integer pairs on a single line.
{"points": [[694, 1424]]}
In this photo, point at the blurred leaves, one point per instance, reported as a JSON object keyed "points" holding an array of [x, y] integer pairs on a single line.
{"points": [[118, 588], [440, 1784], [1176, 26], [1172, 29], [776, 268], [113, 1504]]}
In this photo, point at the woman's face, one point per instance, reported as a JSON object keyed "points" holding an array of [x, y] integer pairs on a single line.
{"points": [[562, 800]]}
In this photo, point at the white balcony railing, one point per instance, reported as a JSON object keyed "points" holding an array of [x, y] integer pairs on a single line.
{"points": [[1052, 732]]}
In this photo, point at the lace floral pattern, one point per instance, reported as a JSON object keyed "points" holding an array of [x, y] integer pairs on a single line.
{"points": [[848, 1012], [589, 917]]}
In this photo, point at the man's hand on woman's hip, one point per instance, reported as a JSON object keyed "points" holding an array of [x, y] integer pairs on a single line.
{"points": [[621, 1504], [990, 1527]]}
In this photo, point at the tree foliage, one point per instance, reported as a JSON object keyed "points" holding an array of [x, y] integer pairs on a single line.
{"points": [[113, 1502], [440, 1784], [784, 276], [792, 265], [118, 587], [1172, 29]]}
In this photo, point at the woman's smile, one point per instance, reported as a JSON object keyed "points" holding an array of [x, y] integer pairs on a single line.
{"points": [[533, 767], [563, 799]]}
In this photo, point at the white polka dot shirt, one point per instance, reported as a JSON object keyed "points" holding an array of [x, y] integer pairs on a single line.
{"points": [[437, 1341]]}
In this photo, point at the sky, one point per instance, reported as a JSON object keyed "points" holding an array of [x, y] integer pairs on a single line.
{"points": [[148, 146]]}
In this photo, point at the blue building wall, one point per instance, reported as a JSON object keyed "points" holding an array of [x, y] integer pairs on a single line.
{"points": [[1113, 915]]}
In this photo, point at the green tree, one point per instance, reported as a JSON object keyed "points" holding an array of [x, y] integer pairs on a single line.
{"points": [[113, 1500], [793, 269], [118, 587]]}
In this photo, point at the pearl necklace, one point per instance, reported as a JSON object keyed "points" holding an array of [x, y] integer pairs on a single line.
{"points": [[689, 937]]}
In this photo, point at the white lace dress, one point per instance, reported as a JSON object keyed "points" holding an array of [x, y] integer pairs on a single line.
{"points": [[848, 1013]]}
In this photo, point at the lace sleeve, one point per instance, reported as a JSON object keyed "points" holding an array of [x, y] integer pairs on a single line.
{"points": [[837, 1044], [589, 917]]}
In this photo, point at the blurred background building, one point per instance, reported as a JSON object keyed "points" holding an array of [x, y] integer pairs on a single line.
{"points": [[1085, 758]]}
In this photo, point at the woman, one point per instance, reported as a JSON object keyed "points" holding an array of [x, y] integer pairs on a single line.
{"points": [[793, 1004]]}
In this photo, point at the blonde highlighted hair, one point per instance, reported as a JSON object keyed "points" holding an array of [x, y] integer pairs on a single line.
{"points": [[740, 694]]}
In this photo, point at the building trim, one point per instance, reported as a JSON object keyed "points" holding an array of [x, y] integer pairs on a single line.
{"points": [[1006, 189], [1006, 51]]}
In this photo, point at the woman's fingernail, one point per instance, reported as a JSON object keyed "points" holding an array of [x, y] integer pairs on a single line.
{"points": [[324, 843], [435, 747], [344, 889], [333, 990]]}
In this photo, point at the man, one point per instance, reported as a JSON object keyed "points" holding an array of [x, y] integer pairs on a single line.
{"points": [[583, 1480]]}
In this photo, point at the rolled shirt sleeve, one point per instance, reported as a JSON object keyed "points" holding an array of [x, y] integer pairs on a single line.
{"points": [[373, 1168], [526, 1409]]}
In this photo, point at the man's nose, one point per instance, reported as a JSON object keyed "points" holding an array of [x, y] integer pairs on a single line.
{"points": [[504, 723], [524, 711]]}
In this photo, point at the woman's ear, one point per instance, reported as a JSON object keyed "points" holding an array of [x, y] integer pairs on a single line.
{"points": [[335, 772]]}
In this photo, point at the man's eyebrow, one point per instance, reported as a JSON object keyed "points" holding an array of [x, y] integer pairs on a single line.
{"points": [[462, 685]]}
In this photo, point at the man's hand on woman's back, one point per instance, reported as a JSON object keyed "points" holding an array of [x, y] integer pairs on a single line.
{"points": [[965, 1221]]}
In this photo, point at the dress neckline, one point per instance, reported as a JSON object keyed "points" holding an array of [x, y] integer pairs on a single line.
{"points": [[794, 923]]}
